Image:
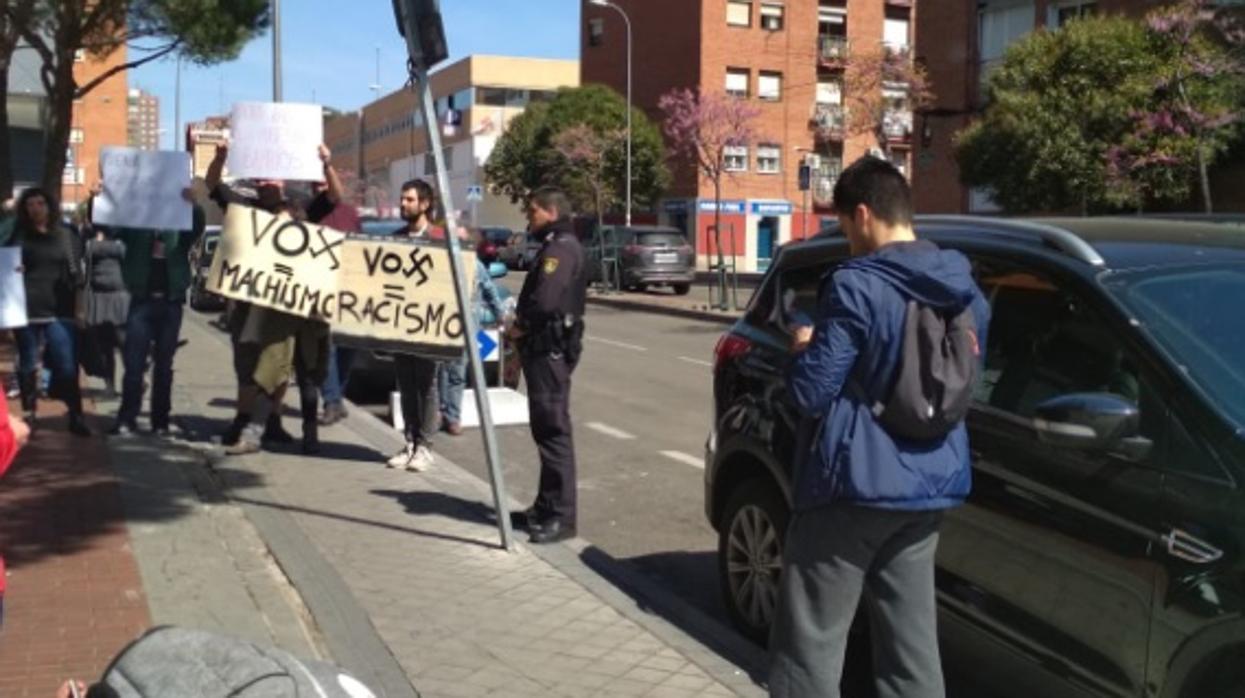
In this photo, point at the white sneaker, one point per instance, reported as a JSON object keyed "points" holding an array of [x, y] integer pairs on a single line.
{"points": [[420, 461], [401, 458]]}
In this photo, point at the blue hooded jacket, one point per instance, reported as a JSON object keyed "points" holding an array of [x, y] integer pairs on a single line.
{"points": [[858, 335]]}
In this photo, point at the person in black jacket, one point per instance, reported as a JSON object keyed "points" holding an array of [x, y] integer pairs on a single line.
{"points": [[51, 270], [107, 308], [550, 329]]}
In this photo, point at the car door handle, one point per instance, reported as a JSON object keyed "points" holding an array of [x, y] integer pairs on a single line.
{"points": [[1183, 546]]}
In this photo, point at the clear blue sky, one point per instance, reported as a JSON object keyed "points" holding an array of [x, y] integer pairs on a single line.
{"points": [[329, 49]]}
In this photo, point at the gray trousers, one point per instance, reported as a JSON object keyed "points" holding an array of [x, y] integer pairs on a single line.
{"points": [[832, 555]]}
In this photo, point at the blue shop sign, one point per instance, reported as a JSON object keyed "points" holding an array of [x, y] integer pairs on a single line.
{"points": [[772, 208], [675, 206]]}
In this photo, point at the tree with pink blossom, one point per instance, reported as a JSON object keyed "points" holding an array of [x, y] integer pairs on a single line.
{"points": [[701, 126], [1194, 113]]}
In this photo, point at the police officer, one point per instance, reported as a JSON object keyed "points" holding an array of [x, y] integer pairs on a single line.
{"points": [[549, 328]]}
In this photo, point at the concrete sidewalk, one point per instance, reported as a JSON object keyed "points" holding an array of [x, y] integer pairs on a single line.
{"points": [[414, 560]]}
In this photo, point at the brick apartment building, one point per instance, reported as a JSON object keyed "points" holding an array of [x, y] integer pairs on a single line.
{"points": [[384, 144], [787, 56], [100, 119], [201, 139], [959, 41], [143, 124]]}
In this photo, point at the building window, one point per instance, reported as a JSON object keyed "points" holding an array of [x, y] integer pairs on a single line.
{"points": [[769, 86], [491, 96], [895, 35], [76, 135], [900, 161], [829, 92], [1000, 27], [739, 13], [596, 31], [769, 158], [771, 17], [737, 80], [735, 158], [1065, 12], [73, 175]]}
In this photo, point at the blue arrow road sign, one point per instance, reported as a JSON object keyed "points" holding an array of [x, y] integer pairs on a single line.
{"points": [[487, 344]]}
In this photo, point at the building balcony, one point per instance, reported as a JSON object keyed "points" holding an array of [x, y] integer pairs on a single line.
{"points": [[823, 179], [832, 50], [897, 126], [829, 121]]}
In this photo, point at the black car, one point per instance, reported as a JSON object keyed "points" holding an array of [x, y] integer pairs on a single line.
{"points": [[200, 263], [645, 256], [499, 237], [520, 252], [1102, 551]]}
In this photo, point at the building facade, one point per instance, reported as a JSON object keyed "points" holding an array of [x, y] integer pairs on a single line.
{"points": [[27, 106], [143, 110], [100, 119], [384, 144], [202, 138], [789, 57], [960, 42]]}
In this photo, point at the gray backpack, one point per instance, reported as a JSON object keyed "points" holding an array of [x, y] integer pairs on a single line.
{"points": [[171, 661], [933, 383]]}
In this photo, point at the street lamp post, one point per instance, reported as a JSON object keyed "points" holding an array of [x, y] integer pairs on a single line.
{"points": [[627, 21], [276, 50]]}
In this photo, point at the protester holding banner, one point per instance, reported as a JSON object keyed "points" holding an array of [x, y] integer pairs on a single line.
{"points": [[416, 375], [289, 345], [157, 274], [51, 268], [330, 210], [485, 304], [269, 196]]}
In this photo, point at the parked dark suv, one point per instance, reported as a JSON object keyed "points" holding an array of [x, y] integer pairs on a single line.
{"points": [[646, 256], [1102, 551]]}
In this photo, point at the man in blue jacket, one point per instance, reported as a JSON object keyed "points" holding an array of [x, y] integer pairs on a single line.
{"points": [[868, 505]]}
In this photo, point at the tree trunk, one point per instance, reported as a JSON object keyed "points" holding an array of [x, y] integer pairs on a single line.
{"points": [[1204, 178], [717, 239], [60, 98], [6, 142]]}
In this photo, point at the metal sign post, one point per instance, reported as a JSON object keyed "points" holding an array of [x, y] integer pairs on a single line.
{"points": [[419, 20]]}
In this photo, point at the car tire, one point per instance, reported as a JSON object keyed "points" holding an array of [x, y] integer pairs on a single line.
{"points": [[682, 289], [751, 534]]}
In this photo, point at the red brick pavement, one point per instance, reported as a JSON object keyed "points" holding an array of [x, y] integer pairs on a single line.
{"points": [[74, 597]]}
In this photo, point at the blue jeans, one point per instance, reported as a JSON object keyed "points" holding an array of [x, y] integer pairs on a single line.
{"points": [[451, 378], [152, 330], [338, 377], [59, 338]]}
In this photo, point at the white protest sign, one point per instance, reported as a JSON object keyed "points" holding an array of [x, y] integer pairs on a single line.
{"points": [[143, 189], [378, 292], [12, 289], [276, 141]]}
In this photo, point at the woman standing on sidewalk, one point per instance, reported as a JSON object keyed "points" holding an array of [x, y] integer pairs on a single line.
{"points": [[52, 272], [107, 308]]}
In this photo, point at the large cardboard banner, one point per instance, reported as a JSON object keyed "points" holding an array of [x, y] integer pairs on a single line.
{"points": [[375, 292], [12, 289], [276, 141], [143, 189]]}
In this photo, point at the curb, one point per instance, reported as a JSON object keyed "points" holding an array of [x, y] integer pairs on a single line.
{"points": [[689, 313]]}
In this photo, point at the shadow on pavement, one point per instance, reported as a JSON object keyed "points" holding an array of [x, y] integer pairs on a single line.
{"points": [[229, 475]]}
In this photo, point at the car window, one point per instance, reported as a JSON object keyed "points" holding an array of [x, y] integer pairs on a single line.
{"points": [[660, 240], [1045, 341]]}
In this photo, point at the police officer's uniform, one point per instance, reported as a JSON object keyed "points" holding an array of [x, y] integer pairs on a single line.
{"points": [[550, 315]]}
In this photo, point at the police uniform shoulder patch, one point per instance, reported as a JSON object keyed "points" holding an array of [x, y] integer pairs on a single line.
{"points": [[551, 265]]}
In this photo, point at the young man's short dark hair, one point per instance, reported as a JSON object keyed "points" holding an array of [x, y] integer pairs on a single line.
{"points": [[426, 193], [551, 198], [877, 184]]}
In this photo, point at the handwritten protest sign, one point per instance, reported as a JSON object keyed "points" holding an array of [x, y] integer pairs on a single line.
{"points": [[12, 289], [375, 292], [276, 141], [143, 189]]}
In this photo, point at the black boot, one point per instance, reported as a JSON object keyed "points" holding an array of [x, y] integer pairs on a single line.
{"points": [[28, 383], [309, 403], [311, 436], [234, 432], [274, 432], [71, 393]]}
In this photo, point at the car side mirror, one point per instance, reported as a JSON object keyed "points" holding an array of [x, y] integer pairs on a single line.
{"points": [[1090, 422], [497, 270]]}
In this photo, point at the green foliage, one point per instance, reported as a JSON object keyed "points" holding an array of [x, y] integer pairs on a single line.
{"points": [[1057, 103], [525, 157], [210, 30]]}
